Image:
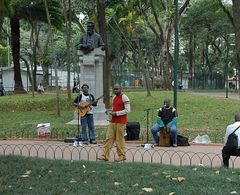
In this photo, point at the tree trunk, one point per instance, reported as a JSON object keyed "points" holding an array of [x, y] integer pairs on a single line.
{"points": [[236, 21], [106, 66], [15, 42], [68, 28], [45, 65], [166, 58], [191, 59]]}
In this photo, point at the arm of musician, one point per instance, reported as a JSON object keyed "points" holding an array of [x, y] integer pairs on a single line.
{"points": [[75, 104], [126, 109], [173, 122], [94, 104], [122, 112]]}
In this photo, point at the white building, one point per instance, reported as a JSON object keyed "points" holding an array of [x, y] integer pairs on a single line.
{"points": [[7, 77]]}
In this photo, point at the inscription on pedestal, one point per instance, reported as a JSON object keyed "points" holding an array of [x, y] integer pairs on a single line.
{"points": [[88, 60]]}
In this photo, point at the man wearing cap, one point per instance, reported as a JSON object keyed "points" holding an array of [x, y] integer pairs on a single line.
{"points": [[90, 40]]}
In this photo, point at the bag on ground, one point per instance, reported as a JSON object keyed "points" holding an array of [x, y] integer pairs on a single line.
{"points": [[182, 141], [43, 130]]}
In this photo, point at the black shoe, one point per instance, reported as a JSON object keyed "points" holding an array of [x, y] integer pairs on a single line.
{"points": [[85, 142], [93, 142]]}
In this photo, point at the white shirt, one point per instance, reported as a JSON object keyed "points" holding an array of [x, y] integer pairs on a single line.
{"points": [[230, 129], [86, 98]]}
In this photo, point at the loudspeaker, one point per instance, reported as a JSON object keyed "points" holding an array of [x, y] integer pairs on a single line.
{"points": [[69, 140], [133, 130]]}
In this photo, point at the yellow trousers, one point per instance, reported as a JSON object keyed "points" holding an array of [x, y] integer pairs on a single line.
{"points": [[115, 133]]}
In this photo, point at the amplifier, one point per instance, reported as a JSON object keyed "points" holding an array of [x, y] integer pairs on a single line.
{"points": [[133, 130]]}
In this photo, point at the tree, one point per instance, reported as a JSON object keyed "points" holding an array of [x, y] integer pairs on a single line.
{"points": [[234, 19], [27, 10], [68, 26], [106, 67], [203, 31]]}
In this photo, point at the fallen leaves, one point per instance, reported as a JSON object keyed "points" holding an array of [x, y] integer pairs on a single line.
{"points": [[117, 183], [147, 189], [26, 174], [135, 185], [73, 181], [179, 179]]}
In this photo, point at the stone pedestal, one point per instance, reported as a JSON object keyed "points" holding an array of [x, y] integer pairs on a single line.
{"points": [[91, 71]]}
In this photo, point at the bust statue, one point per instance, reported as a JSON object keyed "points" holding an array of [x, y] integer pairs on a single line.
{"points": [[90, 40]]}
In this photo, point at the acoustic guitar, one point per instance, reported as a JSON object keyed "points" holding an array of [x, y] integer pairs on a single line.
{"points": [[83, 108]]}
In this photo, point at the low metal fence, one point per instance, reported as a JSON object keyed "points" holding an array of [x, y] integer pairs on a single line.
{"points": [[179, 156]]}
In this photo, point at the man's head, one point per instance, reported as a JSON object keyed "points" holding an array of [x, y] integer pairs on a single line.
{"points": [[166, 103], [90, 27], [237, 117], [85, 88], [117, 89]]}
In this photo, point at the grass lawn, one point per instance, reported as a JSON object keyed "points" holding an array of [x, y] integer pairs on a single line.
{"points": [[21, 175], [20, 114]]}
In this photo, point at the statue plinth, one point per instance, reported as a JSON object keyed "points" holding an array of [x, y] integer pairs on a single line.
{"points": [[91, 71]]}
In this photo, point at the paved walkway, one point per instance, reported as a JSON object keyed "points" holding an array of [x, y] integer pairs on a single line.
{"points": [[230, 95], [208, 155]]}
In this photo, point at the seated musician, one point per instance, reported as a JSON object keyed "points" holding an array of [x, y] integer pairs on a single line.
{"points": [[167, 116], [87, 118]]}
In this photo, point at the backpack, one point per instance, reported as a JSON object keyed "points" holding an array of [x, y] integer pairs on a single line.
{"points": [[232, 141], [182, 141]]}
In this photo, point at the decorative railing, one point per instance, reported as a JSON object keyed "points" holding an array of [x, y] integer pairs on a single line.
{"points": [[178, 156]]}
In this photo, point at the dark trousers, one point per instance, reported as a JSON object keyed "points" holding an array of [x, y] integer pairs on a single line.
{"points": [[227, 152]]}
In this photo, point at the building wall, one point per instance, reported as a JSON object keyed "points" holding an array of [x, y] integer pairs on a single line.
{"points": [[8, 80]]}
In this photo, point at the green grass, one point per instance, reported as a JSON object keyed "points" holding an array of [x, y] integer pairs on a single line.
{"points": [[20, 114], [80, 177]]}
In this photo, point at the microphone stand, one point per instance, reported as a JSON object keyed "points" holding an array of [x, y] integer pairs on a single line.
{"points": [[147, 145]]}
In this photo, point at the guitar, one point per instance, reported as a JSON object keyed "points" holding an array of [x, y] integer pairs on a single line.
{"points": [[83, 108]]}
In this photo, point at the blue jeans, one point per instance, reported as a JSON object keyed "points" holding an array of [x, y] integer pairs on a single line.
{"points": [[173, 133], [87, 120]]}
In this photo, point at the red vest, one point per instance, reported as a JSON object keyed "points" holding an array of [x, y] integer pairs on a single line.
{"points": [[118, 105]]}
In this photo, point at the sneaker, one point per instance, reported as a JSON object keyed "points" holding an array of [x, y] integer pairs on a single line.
{"points": [[174, 145], [102, 158], [119, 159], [93, 142]]}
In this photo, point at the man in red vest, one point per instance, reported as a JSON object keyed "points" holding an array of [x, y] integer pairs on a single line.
{"points": [[116, 128]]}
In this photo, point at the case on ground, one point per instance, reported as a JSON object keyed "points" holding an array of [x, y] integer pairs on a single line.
{"points": [[132, 130]]}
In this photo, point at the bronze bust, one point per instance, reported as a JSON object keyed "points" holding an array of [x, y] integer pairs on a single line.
{"points": [[90, 40]]}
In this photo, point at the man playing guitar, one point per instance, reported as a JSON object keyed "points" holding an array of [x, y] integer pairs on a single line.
{"points": [[84, 103]]}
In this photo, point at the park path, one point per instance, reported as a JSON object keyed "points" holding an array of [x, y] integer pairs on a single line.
{"points": [[230, 95], [208, 155]]}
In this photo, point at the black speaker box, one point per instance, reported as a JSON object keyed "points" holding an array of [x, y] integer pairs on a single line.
{"points": [[133, 130]]}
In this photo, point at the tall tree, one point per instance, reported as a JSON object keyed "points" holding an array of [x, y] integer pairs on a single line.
{"points": [[27, 10], [106, 68], [234, 19], [68, 29]]}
